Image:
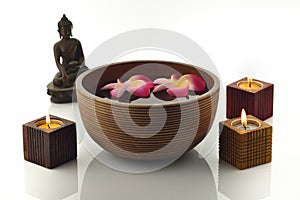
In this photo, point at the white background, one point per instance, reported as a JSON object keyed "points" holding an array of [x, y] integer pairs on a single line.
{"points": [[244, 38]]}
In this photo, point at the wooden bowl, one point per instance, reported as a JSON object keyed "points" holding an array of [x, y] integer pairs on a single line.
{"points": [[146, 129]]}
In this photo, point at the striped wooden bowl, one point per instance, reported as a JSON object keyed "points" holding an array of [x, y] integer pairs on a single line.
{"points": [[146, 129]]}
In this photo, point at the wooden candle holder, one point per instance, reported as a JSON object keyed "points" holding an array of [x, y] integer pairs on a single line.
{"points": [[257, 102], [245, 148], [49, 147]]}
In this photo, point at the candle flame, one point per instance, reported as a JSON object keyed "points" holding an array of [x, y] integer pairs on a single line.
{"points": [[243, 117], [249, 80], [48, 119]]}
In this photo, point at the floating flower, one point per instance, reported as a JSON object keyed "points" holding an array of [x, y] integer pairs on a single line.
{"points": [[114, 87], [179, 87], [139, 85]]}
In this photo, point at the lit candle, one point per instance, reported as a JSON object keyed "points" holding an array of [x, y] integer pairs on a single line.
{"points": [[244, 123], [249, 84], [49, 123], [49, 142], [245, 141], [254, 95]]}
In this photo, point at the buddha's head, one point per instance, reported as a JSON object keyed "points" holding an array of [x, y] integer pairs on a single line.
{"points": [[65, 27]]}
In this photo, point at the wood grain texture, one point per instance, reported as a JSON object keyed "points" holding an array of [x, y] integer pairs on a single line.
{"points": [[245, 148], [49, 148], [258, 103]]}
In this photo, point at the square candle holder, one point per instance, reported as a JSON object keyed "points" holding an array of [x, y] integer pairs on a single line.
{"points": [[49, 147], [257, 100], [245, 148]]}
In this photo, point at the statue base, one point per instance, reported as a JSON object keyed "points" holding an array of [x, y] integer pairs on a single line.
{"points": [[64, 95], [61, 95]]}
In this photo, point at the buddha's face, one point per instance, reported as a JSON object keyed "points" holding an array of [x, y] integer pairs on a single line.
{"points": [[65, 31]]}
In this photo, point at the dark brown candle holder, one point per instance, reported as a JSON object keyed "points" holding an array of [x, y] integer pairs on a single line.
{"points": [[245, 148], [49, 147], [257, 102]]}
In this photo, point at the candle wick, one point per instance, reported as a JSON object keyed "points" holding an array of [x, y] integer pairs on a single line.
{"points": [[249, 84], [244, 126], [48, 126]]}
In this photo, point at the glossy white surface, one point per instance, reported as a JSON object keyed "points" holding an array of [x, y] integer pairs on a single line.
{"points": [[253, 38]]}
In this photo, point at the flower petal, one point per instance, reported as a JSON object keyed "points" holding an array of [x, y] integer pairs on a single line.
{"points": [[139, 88], [143, 78], [116, 93], [160, 81], [109, 86], [164, 83], [174, 77], [112, 85], [179, 91], [196, 83], [161, 87]]}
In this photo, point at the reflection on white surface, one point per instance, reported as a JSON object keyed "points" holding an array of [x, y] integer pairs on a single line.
{"points": [[248, 184], [54, 184], [132, 166], [190, 177]]}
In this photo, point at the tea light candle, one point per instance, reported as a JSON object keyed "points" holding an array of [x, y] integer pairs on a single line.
{"points": [[244, 123], [249, 84], [247, 143], [49, 142], [49, 123], [253, 95]]}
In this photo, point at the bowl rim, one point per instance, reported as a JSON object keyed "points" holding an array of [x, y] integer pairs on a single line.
{"points": [[85, 92]]}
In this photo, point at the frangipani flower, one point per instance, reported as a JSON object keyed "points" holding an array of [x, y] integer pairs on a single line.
{"points": [[139, 85], [114, 87], [179, 87]]}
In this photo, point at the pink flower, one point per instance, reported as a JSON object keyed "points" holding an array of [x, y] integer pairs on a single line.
{"points": [[179, 87], [139, 85]]}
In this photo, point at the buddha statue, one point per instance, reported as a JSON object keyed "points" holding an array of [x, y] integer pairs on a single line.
{"points": [[69, 59]]}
